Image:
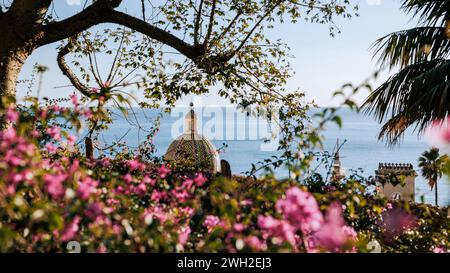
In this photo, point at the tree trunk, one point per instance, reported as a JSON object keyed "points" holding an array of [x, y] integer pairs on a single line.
{"points": [[15, 47], [10, 66], [436, 193]]}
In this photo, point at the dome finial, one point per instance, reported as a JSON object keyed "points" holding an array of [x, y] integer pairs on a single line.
{"points": [[190, 121]]}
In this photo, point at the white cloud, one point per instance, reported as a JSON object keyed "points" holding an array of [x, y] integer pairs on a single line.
{"points": [[73, 2]]}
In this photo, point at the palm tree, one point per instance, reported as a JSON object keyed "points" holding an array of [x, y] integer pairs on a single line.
{"points": [[431, 165], [420, 92]]}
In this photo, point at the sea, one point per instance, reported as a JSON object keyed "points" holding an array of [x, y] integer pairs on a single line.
{"points": [[241, 140]]}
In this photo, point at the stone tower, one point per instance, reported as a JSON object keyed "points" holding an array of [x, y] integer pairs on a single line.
{"points": [[337, 172], [396, 181]]}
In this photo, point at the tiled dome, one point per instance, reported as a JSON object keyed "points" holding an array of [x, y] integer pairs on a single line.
{"points": [[193, 147]]}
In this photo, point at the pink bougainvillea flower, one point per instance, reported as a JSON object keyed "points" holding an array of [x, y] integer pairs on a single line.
{"points": [[54, 132], [333, 234], [211, 222], [163, 171], [86, 113], [157, 213], [12, 115], [71, 139], [147, 180], [238, 227], [74, 100], [94, 210], [396, 221], [439, 250], [438, 133], [54, 184], [180, 194], [128, 178], [87, 187], [70, 231], [280, 230], [187, 184], [51, 148], [158, 195], [141, 189], [183, 235], [135, 165], [301, 210], [256, 243], [199, 180]]}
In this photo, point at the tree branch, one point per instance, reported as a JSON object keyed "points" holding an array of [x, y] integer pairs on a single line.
{"points": [[103, 12], [89, 17], [197, 22], [117, 17], [211, 22], [29, 13], [66, 69]]}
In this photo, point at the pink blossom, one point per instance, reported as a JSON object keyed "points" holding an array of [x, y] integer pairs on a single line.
{"points": [[35, 133], [94, 210], [71, 229], [156, 212], [12, 159], [74, 100], [128, 178], [71, 139], [183, 235], [87, 113], [333, 234], [101, 249], [256, 243], [396, 221], [158, 195], [51, 148], [186, 211], [54, 184], [439, 250], [149, 181], [187, 184], [279, 229], [112, 202], [105, 162], [12, 115], [180, 194], [163, 171], [9, 135], [54, 132], [438, 133], [246, 202], [238, 227], [389, 205], [141, 189], [199, 180], [87, 187], [211, 222], [135, 165], [301, 210]]}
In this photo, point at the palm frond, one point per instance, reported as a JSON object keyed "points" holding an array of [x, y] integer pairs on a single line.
{"points": [[431, 12], [406, 47], [418, 94]]}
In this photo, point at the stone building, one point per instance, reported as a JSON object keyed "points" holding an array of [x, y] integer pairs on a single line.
{"points": [[193, 149], [396, 181]]}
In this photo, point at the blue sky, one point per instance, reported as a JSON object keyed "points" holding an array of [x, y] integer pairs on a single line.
{"points": [[322, 63]]}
